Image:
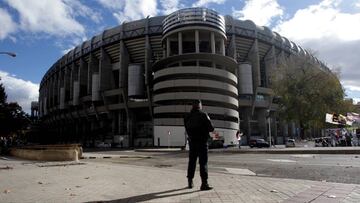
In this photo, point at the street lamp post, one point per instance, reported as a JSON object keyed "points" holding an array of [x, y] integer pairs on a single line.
{"points": [[8, 53], [269, 124], [269, 121]]}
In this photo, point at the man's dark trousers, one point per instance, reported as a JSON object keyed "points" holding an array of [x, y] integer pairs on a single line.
{"points": [[198, 149]]}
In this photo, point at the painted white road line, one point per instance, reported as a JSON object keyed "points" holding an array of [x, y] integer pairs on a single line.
{"points": [[240, 171], [303, 155], [281, 160]]}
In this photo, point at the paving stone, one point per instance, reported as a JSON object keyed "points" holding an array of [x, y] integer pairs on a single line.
{"points": [[93, 181]]}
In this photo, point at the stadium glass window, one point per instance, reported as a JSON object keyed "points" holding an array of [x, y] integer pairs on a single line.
{"points": [[174, 65], [245, 96], [174, 45], [260, 97], [205, 64], [188, 41], [189, 63], [204, 41], [218, 42]]}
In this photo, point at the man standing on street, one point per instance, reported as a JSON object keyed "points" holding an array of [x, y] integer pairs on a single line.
{"points": [[198, 126]]}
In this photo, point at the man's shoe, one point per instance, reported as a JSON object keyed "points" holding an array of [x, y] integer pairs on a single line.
{"points": [[190, 184], [205, 187]]}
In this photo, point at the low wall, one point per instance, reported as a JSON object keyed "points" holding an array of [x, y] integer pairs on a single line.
{"points": [[70, 152]]}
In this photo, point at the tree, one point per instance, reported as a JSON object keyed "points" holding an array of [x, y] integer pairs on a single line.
{"points": [[3, 96], [307, 91], [12, 117]]}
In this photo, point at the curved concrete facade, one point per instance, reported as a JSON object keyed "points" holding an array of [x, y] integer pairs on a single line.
{"points": [[132, 84]]}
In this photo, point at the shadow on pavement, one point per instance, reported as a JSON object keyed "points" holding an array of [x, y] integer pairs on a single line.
{"points": [[150, 196]]}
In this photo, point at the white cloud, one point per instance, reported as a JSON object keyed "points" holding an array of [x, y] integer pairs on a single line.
{"points": [[262, 12], [352, 88], [111, 4], [6, 23], [322, 20], [204, 3], [169, 6], [136, 9], [52, 17], [356, 100], [79, 9], [20, 91], [334, 33]]}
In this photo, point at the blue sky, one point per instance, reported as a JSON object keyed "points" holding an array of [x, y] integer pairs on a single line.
{"points": [[41, 31]]}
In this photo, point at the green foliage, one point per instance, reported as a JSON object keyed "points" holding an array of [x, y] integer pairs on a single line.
{"points": [[12, 117], [307, 92]]}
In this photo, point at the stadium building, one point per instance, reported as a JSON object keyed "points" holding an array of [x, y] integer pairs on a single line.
{"points": [[132, 84]]}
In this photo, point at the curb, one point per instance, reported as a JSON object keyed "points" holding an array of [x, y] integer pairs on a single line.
{"points": [[287, 151], [114, 157]]}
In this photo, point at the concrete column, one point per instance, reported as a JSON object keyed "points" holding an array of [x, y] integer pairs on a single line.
{"points": [[262, 121], [197, 50], [62, 97], [255, 62], [60, 84], [93, 67], [247, 125], [270, 63], [180, 43], [105, 71], [167, 47], [67, 83], [274, 130], [148, 70], [222, 44], [83, 79], [124, 63], [212, 42]]}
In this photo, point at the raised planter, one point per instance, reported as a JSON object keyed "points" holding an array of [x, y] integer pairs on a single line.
{"points": [[65, 152]]}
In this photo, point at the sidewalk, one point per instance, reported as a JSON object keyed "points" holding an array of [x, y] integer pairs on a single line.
{"points": [[279, 149], [87, 181], [295, 150]]}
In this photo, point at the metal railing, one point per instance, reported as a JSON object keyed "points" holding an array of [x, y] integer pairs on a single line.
{"points": [[196, 16]]}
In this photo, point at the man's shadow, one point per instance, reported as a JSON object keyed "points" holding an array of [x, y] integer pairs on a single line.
{"points": [[151, 196]]}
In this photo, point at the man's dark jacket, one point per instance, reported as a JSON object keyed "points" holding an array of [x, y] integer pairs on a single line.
{"points": [[198, 125]]}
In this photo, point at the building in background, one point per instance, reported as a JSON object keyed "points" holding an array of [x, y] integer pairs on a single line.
{"points": [[132, 84]]}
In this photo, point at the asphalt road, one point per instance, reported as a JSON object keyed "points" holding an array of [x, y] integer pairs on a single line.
{"points": [[330, 168]]}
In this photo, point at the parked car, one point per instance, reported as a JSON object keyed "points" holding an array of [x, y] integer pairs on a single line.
{"points": [[290, 143], [258, 143]]}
